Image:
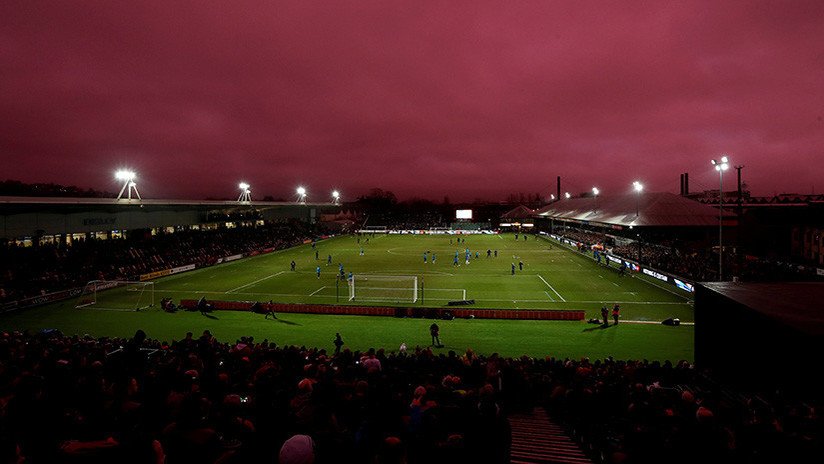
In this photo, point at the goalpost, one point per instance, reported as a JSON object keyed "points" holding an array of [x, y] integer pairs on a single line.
{"points": [[390, 288], [117, 295]]}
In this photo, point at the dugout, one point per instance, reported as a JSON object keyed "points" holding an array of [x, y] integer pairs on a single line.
{"points": [[761, 335]]}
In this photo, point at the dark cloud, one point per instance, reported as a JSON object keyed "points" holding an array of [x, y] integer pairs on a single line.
{"points": [[466, 99]]}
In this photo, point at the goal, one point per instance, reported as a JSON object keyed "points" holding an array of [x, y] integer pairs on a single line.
{"points": [[117, 295], [389, 288]]}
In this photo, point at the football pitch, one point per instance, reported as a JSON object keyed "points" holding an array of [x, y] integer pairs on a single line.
{"points": [[553, 277]]}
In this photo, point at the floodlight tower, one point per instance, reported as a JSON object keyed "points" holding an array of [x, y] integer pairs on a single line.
{"points": [[638, 187], [335, 197], [128, 178], [595, 193], [721, 166], [567, 195], [245, 193], [301, 195]]}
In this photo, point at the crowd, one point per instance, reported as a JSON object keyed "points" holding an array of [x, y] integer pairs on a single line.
{"points": [[696, 264], [36, 270], [79, 399]]}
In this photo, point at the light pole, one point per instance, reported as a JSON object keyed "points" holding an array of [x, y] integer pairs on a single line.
{"points": [[638, 188], [595, 193], [301, 195], [245, 193], [721, 166], [128, 178], [335, 197]]}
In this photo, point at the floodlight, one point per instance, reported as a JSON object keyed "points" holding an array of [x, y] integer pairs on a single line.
{"points": [[245, 193], [301, 195], [551, 196], [127, 176], [721, 166], [595, 191], [567, 195], [638, 188], [124, 174], [335, 197], [335, 194]]}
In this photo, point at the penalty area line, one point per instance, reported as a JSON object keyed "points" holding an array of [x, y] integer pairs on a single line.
{"points": [[317, 291], [550, 287], [253, 283]]}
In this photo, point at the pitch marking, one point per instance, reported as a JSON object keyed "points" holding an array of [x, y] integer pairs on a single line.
{"points": [[255, 282], [317, 291], [550, 287]]}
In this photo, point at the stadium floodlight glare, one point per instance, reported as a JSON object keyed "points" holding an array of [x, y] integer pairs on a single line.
{"points": [[567, 195], [124, 174], [595, 193], [721, 166], [552, 197], [301, 195], [127, 176], [335, 197], [639, 187], [245, 193]]}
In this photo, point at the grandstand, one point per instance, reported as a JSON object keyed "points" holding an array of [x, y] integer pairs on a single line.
{"points": [[537, 384]]}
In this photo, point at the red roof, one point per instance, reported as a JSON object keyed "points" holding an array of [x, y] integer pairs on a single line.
{"points": [[519, 212], [654, 209]]}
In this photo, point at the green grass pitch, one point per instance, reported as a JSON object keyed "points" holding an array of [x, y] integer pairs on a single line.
{"points": [[553, 277]]}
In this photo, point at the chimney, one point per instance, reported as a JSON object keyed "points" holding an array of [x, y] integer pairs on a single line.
{"points": [[558, 189], [686, 184]]}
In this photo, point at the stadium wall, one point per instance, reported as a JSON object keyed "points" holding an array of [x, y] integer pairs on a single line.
{"points": [[417, 312]]}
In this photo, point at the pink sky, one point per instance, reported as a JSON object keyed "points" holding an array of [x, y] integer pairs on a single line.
{"points": [[467, 99]]}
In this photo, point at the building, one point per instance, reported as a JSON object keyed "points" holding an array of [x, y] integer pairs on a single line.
{"points": [[31, 221]]}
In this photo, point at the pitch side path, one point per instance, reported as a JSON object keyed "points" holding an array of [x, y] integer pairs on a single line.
{"points": [[552, 277]]}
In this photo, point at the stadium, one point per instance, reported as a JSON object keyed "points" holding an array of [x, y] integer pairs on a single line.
{"points": [[411, 232], [534, 284]]}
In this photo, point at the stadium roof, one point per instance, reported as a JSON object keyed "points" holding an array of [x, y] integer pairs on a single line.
{"points": [[795, 304], [519, 212], [655, 209], [112, 201]]}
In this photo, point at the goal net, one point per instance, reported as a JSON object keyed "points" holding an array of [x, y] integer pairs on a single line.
{"points": [[117, 295], [396, 289]]}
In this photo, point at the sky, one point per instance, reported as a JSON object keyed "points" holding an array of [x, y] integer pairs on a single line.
{"points": [[426, 99]]}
